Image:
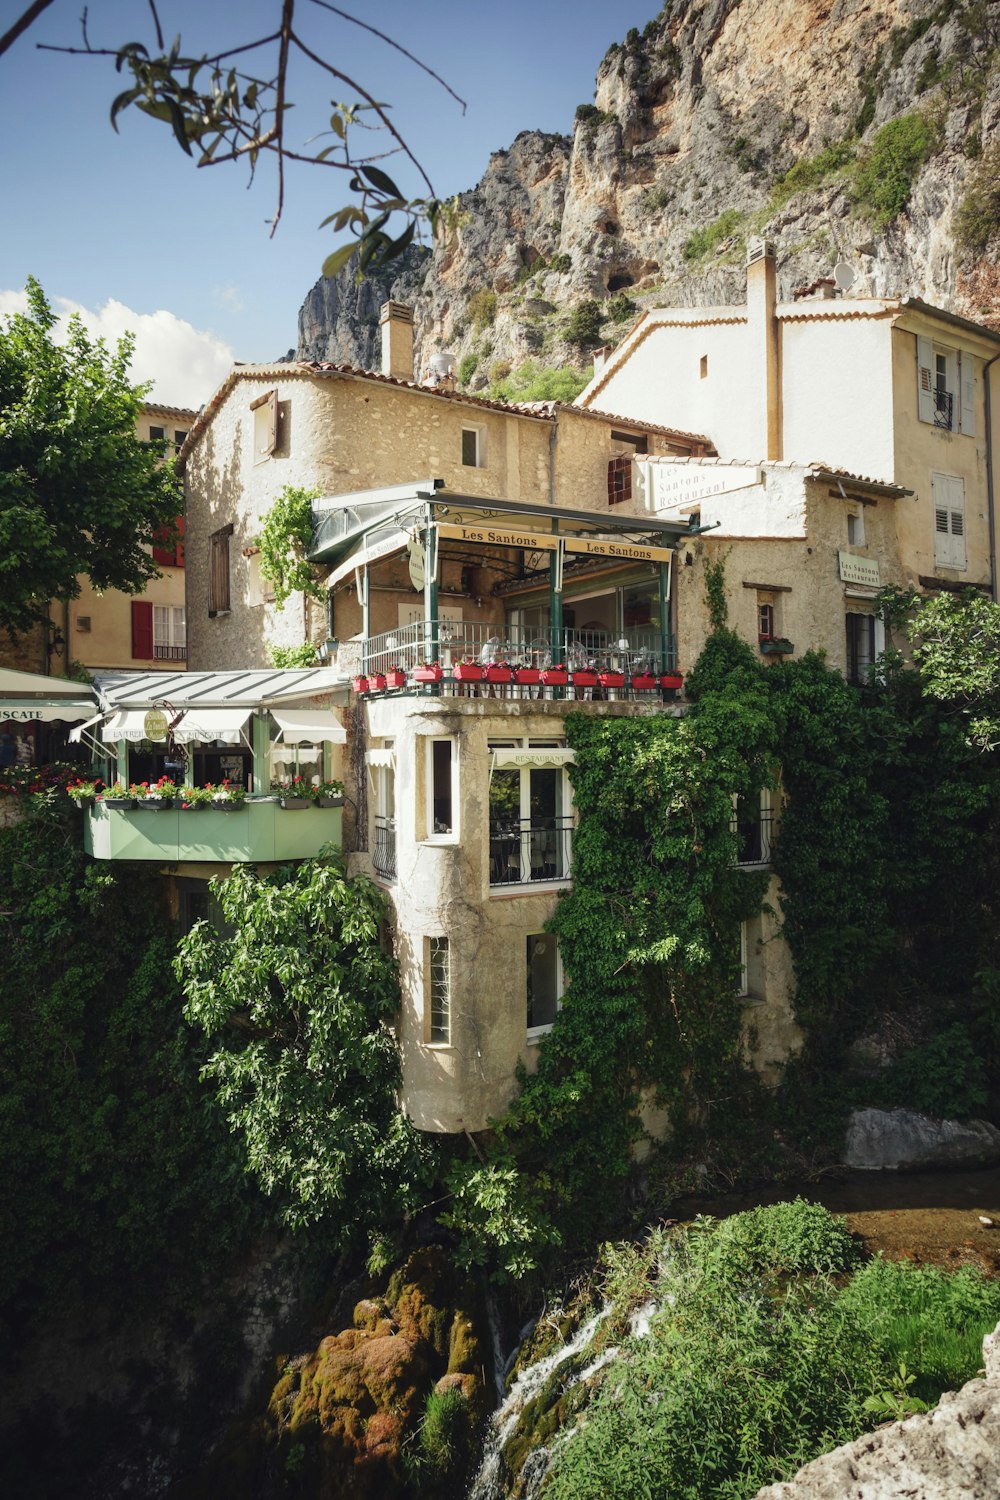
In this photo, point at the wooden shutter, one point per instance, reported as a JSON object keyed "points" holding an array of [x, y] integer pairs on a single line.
{"points": [[164, 548], [949, 520], [179, 547], [218, 571], [925, 380], [967, 390], [142, 630], [265, 425]]}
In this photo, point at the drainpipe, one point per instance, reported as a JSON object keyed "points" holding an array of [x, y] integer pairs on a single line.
{"points": [[553, 439], [990, 513]]}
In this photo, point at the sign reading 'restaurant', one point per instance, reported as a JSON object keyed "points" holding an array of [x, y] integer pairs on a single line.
{"points": [[666, 485], [863, 570]]}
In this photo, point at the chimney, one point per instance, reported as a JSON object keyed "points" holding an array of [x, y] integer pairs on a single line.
{"points": [[762, 325], [601, 357], [397, 340]]}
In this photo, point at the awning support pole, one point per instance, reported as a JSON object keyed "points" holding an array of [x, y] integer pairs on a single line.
{"points": [[259, 750], [431, 642], [555, 602], [666, 664]]}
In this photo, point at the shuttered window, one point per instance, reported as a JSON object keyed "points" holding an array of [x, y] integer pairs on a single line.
{"points": [[949, 520], [169, 634], [218, 571], [946, 387], [265, 425], [168, 545], [142, 630]]}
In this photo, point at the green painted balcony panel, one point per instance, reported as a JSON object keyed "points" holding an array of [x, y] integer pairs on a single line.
{"points": [[261, 832]]}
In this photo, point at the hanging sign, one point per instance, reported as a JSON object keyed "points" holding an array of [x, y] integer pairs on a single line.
{"points": [[417, 565], [854, 569], [154, 725], [624, 551]]}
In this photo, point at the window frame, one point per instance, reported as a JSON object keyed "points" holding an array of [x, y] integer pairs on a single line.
{"points": [[478, 433], [435, 945], [174, 648], [945, 507], [264, 434], [428, 835], [535, 1033], [220, 580]]}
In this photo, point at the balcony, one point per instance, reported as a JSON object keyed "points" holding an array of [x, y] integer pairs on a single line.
{"points": [[384, 852], [169, 653], [944, 409], [526, 852], [257, 832], [473, 658]]}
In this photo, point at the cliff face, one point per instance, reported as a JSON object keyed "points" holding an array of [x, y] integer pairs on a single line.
{"points": [[697, 123]]}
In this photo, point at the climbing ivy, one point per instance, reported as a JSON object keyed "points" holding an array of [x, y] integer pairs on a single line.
{"points": [[285, 537]]}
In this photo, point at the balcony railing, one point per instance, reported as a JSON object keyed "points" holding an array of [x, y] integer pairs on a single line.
{"points": [[169, 653], [526, 851], [753, 839], [944, 409], [384, 853], [451, 642]]}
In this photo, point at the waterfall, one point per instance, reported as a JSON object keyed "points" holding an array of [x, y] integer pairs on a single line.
{"points": [[529, 1382]]}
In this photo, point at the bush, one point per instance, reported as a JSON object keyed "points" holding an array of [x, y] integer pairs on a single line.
{"points": [[445, 1432], [809, 171], [467, 368], [534, 382], [884, 177], [702, 241], [785, 1238], [945, 1077], [482, 308], [978, 219], [561, 263], [584, 326], [621, 307]]}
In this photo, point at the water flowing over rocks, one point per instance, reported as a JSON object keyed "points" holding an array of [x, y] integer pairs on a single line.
{"points": [[951, 1453], [695, 118], [900, 1139]]}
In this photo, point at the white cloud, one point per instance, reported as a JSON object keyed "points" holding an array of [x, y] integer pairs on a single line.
{"points": [[184, 363], [229, 298]]}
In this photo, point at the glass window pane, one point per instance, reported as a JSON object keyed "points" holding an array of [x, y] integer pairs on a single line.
{"points": [[543, 979]]}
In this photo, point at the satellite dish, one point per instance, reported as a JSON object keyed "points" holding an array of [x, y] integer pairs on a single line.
{"points": [[844, 275], [442, 363]]}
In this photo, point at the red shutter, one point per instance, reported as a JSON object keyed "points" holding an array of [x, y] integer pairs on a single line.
{"points": [[163, 550], [179, 549], [142, 630]]}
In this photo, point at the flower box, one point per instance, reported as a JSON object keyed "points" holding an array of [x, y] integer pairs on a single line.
{"points": [[645, 682], [296, 804], [329, 801], [359, 684], [429, 672], [395, 678], [585, 679], [154, 804], [555, 676], [499, 673], [527, 676], [467, 671], [376, 682], [776, 646], [124, 802], [671, 681], [228, 804], [611, 679]]}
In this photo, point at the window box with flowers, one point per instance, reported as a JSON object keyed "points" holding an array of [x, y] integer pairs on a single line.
{"points": [[295, 794], [585, 679], [555, 676], [611, 679], [359, 684], [157, 796], [377, 682], [467, 671], [226, 796], [498, 672], [527, 676], [671, 682], [645, 682], [328, 794], [775, 645], [118, 795], [85, 793], [192, 798], [431, 671], [395, 677]]}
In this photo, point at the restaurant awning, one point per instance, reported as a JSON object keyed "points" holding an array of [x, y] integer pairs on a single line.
{"points": [[537, 758], [204, 724], [314, 724], [382, 757], [26, 696]]}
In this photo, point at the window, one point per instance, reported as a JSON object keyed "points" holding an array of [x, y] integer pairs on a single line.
{"points": [[438, 970], [946, 389], [531, 833], [218, 571], [765, 621], [142, 630], [157, 434], [259, 590], [544, 982], [703, 367], [474, 447], [179, 438], [949, 520], [442, 790], [751, 824], [168, 545], [750, 981], [384, 855], [624, 448], [861, 648], [169, 633], [265, 425], [856, 528]]}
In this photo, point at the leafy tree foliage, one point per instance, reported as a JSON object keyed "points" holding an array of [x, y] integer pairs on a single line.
{"points": [[298, 996], [285, 537], [79, 493], [534, 382]]}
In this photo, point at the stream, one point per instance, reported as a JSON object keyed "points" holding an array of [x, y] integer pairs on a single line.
{"points": [[932, 1218]]}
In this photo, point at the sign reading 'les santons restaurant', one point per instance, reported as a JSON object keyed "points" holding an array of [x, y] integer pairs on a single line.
{"points": [[862, 570]]}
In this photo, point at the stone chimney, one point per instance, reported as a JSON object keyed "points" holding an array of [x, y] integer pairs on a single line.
{"points": [[396, 320], [601, 357], [762, 326]]}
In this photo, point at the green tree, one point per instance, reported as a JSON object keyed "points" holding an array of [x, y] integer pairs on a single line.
{"points": [[79, 493], [584, 325], [298, 996]]}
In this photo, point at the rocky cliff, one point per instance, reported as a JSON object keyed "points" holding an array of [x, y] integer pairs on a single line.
{"points": [[722, 119]]}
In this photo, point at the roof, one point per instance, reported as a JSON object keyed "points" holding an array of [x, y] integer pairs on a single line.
{"points": [[169, 411], [538, 411], [30, 695], [252, 689]]}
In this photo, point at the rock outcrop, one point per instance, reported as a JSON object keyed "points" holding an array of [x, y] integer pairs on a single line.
{"points": [[901, 1139], [696, 124], [951, 1453]]}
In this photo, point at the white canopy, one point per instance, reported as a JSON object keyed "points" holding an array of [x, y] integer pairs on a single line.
{"points": [[535, 758], [212, 724], [23, 711], [126, 724], [379, 757], [316, 724]]}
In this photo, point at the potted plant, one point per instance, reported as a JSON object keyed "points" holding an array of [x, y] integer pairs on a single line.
{"points": [[328, 794], [360, 683], [376, 682], [585, 678], [671, 681], [431, 671], [776, 646], [527, 676], [498, 671], [555, 676], [395, 677], [227, 796], [611, 679], [194, 797], [467, 671], [84, 793], [294, 793], [156, 798], [644, 682], [118, 795]]}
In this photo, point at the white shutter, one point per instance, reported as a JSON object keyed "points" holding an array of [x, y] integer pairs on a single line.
{"points": [[967, 387], [949, 521], [925, 380]]}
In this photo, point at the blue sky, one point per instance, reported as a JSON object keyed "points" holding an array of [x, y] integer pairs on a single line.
{"points": [[126, 228]]}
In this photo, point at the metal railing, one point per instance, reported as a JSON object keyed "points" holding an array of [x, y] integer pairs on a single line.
{"points": [[451, 642], [384, 853], [753, 838], [944, 409], [169, 653], [526, 851]]}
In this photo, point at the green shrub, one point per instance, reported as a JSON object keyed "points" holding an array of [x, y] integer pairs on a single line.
{"points": [[534, 382], [584, 325], [885, 174], [809, 171], [482, 308], [620, 308], [467, 368], [590, 116], [283, 657], [945, 1077], [785, 1238], [445, 1433], [561, 263], [978, 219], [702, 241]]}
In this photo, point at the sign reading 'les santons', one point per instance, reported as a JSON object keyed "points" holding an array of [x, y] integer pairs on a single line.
{"points": [[628, 551], [863, 570], [501, 536]]}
